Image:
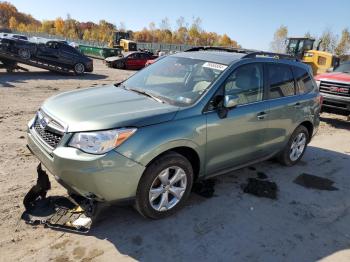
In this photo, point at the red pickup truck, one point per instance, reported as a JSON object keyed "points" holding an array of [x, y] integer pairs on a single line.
{"points": [[335, 87]]}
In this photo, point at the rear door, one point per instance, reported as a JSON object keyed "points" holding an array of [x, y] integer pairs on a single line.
{"points": [[284, 105], [239, 137]]}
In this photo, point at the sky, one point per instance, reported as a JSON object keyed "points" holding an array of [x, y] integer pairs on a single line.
{"points": [[251, 23]]}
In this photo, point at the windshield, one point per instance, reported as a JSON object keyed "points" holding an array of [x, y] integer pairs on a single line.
{"points": [[176, 80], [345, 68]]}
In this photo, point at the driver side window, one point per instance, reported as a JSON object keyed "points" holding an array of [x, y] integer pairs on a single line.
{"points": [[246, 83]]}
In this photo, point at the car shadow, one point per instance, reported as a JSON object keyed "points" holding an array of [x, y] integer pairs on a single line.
{"points": [[336, 122], [10, 79], [234, 226]]}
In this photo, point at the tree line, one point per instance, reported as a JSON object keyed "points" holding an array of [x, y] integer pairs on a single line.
{"points": [[329, 41], [184, 32]]}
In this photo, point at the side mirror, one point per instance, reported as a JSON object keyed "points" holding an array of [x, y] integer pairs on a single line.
{"points": [[230, 101]]}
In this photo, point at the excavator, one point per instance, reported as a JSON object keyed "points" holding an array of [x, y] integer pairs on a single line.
{"points": [[122, 40], [303, 49]]}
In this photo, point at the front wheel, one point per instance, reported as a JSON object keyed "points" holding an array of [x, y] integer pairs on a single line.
{"points": [[164, 186], [295, 148], [79, 69]]}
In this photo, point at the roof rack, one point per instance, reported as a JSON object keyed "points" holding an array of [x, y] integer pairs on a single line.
{"points": [[249, 53], [271, 55], [220, 48]]}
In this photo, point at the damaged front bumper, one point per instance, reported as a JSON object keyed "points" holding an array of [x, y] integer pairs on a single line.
{"points": [[110, 177], [71, 213]]}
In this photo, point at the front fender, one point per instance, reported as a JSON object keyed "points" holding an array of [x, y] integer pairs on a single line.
{"points": [[151, 141]]}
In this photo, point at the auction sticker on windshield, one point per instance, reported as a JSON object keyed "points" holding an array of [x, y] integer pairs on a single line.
{"points": [[215, 66]]}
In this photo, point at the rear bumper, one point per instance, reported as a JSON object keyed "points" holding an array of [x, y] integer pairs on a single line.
{"points": [[335, 101], [108, 177]]}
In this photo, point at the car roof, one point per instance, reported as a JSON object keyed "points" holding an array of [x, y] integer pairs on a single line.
{"points": [[220, 57]]}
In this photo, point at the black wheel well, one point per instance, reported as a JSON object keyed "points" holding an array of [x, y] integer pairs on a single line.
{"points": [[310, 128], [188, 153]]}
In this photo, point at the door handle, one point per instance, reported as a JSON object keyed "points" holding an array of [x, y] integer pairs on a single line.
{"points": [[261, 115]]}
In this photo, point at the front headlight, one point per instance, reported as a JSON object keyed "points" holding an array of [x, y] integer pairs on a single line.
{"points": [[100, 142]]}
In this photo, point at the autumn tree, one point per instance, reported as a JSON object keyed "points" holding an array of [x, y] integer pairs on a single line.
{"points": [[328, 41], [278, 44], [13, 24], [344, 43], [59, 26]]}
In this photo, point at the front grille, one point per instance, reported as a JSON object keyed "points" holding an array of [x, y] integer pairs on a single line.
{"points": [[50, 131], [51, 138], [341, 89]]}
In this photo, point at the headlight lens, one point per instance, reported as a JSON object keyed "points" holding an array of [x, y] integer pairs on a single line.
{"points": [[100, 142]]}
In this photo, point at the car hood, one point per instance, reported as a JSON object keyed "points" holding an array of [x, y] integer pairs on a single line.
{"points": [[334, 76], [114, 58], [109, 107]]}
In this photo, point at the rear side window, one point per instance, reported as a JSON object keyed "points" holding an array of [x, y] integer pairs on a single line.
{"points": [[281, 81], [304, 81]]}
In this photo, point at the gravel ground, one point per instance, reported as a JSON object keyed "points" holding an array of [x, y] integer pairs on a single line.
{"points": [[302, 224]]}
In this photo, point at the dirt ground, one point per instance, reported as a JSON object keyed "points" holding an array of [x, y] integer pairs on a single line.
{"points": [[302, 224]]}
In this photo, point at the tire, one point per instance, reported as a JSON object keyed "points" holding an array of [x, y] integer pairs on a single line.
{"points": [[24, 53], [164, 202], [120, 65], [295, 148], [79, 68]]}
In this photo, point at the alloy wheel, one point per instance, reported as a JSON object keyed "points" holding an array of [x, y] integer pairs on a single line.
{"points": [[297, 147], [168, 188], [79, 68]]}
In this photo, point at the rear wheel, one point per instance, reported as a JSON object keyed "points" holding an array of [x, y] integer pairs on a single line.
{"points": [[164, 186], [295, 148], [24, 53], [79, 68]]}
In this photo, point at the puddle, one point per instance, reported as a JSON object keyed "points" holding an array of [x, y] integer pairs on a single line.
{"points": [[204, 188], [315, 182], [261, 188]]}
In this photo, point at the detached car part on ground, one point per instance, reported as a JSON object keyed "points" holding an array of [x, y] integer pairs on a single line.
{"points": [[190, 116], [129, 60], [335, 87], [45, 55]]}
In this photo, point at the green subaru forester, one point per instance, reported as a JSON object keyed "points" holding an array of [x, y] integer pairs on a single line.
{"points": [[189, 116]]}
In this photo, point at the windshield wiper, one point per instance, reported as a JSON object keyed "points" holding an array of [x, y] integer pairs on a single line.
{"points": [[146, 94]]}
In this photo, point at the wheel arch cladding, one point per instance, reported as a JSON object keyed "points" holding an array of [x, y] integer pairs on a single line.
{"points": [[189, 153], [310, 128]]}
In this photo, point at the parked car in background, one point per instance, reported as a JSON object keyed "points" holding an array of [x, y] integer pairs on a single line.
{"points": [[152, 61], [190, 116], [335, 87], [52, 52], [130, 60]]}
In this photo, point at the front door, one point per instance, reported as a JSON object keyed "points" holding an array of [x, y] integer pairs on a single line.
{"points": [[240, 137]]}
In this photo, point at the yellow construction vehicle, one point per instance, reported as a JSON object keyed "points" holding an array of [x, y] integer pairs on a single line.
{"points": [[122, 40], [303, 48]]}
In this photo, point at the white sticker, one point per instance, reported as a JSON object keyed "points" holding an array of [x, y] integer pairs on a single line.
{"points": [[215, 66]]}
